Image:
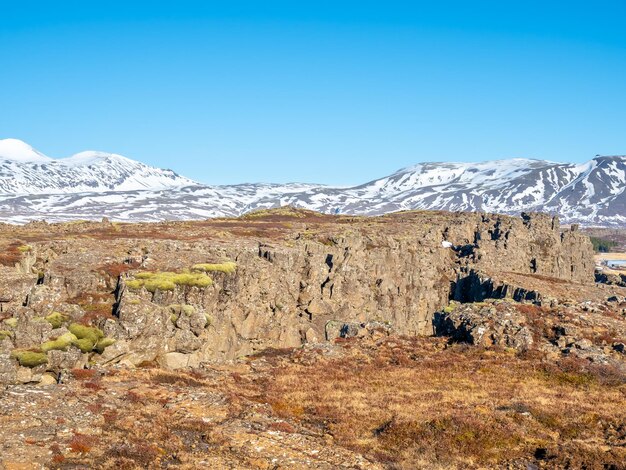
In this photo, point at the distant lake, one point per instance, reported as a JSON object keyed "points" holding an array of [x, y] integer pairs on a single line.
{"points": [[615, 263]]}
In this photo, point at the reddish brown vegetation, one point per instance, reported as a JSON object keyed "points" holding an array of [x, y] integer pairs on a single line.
{"points": [[115, 270], [81, 443], [11, 254], [83, 374], [408, 404]]}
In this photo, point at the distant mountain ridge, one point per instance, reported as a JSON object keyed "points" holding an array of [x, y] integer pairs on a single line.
{"points": [[24, 170], [90, 185]]}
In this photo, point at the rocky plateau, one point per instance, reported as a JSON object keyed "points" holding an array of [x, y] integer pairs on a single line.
{"points": [[231, 339]]}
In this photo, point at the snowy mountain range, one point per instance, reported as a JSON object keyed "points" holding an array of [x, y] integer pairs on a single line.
{"points": [[24, 170], [91, 185]]}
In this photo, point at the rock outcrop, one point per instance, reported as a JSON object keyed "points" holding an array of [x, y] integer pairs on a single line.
{"points": [[276, 280]]}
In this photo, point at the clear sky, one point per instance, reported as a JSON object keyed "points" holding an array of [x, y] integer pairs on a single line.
{"points": [[337, 92]]}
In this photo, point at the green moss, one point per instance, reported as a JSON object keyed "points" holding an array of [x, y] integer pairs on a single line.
{"points": [[11, 322], [84, 344], [60, 344], [103, 343], [24, 248], [209, 320], [134, 284], [89, 338], [5, 334], [174, 318], [227, 267], [91, 333], [164, 281], [187, 310], [451, 307], [29, 358], [57, 319], [178, 310]]}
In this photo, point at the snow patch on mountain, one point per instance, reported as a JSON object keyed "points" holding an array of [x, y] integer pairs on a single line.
{"points": [[18, 151], [24, 170], [91, 185]]}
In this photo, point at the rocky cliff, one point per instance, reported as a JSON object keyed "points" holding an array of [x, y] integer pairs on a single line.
{"points": [[182, 293]]}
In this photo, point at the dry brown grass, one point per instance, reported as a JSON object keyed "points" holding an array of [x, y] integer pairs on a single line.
{"points": [[10, 253], [115, 270], [410, 404]]}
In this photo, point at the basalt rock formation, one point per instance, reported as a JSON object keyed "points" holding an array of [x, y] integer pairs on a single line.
{"points": [[182, 293]]}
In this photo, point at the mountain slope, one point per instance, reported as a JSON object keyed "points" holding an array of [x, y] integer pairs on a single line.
{"points": [[24, 170], [90, 185]]}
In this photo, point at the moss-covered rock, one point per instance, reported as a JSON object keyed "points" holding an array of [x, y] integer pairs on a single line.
{"points": [[28, 358], [164, 281], [89, 338], [57, 319], [226, 267], [5, 334], [102, 344], [61, 343], [84, 344], [91, 333], [178, 309]]}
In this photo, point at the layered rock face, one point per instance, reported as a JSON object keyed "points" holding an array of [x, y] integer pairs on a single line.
{"points": [[298, 277]]}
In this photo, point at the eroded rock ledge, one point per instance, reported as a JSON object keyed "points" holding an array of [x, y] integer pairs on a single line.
{"points": [[294, 277]]}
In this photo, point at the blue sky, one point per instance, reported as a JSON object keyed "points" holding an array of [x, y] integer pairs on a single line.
{"points": [[336, 92]]}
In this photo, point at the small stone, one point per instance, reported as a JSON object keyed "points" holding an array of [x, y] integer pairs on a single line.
{"points": [[24, 375], [174, 360], [48, 379], [311, 336]]}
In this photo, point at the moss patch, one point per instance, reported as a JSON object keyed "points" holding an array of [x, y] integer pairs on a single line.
{"points": [[89, 338], [102, 344], [61, 343], [84, 344], [183, 309], [57, 319], [5, 334], [86, 332], [153, 281], [227, 267], [29, 358], [11, 322]]}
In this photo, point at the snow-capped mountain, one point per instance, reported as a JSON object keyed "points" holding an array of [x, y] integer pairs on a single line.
{"points": [[24, 170], [91, 185]]}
